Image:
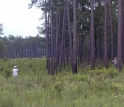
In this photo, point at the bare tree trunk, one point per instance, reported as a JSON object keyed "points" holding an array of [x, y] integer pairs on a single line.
{"points": [[111, 24], [74, 65], [52, 41], [63, 38], [120, 34], [92, 36], [57, 35], [47, 39], [69, 30], [106, 35]]}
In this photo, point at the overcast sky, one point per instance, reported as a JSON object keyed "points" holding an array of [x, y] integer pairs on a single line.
{"points": [[17, 19]]}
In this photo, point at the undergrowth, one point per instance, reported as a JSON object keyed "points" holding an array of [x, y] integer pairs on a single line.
{"points": [[33, 87]]}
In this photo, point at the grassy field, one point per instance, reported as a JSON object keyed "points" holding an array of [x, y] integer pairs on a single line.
{"points": [[34, 88]]}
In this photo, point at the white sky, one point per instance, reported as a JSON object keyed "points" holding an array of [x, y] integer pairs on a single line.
{"points": [[17, 19]]}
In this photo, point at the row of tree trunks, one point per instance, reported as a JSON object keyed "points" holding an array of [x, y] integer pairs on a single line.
{"points": [[62, 37]]}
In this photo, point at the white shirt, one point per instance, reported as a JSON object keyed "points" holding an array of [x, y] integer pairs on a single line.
{"points": [[15, 72]]}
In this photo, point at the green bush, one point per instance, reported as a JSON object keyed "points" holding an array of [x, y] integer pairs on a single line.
{"points": [[7, 74], [82, 77], [1, 68], [5, 59], [112, 72]]}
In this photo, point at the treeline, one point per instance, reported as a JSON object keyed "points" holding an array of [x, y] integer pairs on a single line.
{"points": [[82, 30], [19, 47]]}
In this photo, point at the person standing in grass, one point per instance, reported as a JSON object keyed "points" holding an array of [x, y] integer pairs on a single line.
{"points": [[15, 71], [115, 62]]}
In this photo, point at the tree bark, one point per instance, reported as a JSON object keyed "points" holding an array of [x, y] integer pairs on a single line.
{"points": [[106, 35], [74, 66], [69, 30], [111, 27], [120, 34], [92, 36]]}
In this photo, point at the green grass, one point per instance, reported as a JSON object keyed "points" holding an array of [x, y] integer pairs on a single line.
{"points": [[33, 87]]}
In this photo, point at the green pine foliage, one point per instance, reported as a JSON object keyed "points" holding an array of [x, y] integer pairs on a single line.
{"points": [[33, 87]]}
